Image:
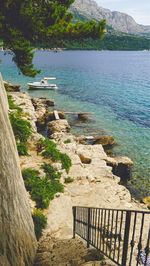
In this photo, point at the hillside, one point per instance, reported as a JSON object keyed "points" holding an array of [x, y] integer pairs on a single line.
{"points": [[119, 21]]}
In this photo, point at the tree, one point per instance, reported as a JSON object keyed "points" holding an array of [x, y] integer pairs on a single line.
{"points": [[25, 22]]}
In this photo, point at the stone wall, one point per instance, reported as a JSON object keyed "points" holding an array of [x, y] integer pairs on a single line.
{"points": [[17, 238]]}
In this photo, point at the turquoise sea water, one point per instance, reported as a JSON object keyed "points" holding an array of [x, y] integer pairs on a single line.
{"points": [[113, 85]]}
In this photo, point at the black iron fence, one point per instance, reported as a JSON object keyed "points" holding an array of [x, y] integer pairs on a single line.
{"points": [[121, 235]]}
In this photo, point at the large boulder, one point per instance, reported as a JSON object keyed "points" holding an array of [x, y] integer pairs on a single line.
{"points": [[121, 166], [146, 200], [83, 117], [37, 102], [104, 140], [51, 116], [41, 106], [56, 126], [23, 101], [11, 87]]}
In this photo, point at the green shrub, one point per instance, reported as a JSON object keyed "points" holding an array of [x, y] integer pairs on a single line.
{"points": [[40, 222], [66, 162], [21, 128], [51, 151], [45, 143], [29, 173], [69, 180], [42, 190], [12, 104], [22, 148], [50, 172], [67, 141]]}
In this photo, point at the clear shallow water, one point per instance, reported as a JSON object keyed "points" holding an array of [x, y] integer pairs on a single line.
{"points": [[114, 85]]}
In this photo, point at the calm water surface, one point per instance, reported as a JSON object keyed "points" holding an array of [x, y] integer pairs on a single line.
{"points": [[113, 85]]}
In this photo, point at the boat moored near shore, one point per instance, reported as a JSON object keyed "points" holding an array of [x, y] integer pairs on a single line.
{"points": [[43, 84]]}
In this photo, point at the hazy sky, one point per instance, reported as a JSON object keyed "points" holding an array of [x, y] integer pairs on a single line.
{"points": [[138, 9]]}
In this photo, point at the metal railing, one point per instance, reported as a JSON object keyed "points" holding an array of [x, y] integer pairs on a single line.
{"points": [[121, 235]]}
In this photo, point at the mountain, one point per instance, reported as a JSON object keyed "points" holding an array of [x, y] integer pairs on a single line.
{"points": [[89, 9]]}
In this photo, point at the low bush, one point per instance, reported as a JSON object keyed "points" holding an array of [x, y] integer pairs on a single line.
{"points": [[50, 172], [69, 180], [12, 104], [40, 222], [66, 162], [42, 190], [51, 151], [29, 173], [67, 141], [21, 128], [22, 148], [45, 143]]}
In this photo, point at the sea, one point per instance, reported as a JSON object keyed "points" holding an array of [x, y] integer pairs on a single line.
{"points": [[113, 85]]}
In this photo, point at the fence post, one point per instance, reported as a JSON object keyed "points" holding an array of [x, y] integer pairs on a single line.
{"points": [[74, 221], [88, 227], [126, 238]]}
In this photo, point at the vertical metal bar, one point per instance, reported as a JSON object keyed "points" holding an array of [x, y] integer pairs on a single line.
{"points": [[95, 227], [120, 232], [115, 235], [99, 211], [132, 241], [104, 231], [88, 227], [140, 238], [147, 249], [126, 238], [108, 233], [92, 226], [111, 232], [84, 222], [101, 230], [74, 221]]}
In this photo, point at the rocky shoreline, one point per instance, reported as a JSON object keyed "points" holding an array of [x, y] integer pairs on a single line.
{"points": [[94, 174]]}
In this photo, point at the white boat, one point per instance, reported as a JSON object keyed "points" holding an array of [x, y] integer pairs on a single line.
{"points": [[43, 84]]}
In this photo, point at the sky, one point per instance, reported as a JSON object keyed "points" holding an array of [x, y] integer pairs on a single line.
{"points": [[138, 9]]}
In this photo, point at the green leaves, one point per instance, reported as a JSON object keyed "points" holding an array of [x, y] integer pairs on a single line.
{"points": [[24, 23], [42, 190], [50, 151], [40, 222], [21, 127]]}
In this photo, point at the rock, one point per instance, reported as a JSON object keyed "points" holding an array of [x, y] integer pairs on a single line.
{"points": [[83, 117], [121, 166], [57, 166], [65, 252], [104, 140], [57, 126], [50, 116], [41, 109], [11, 87], [42, 101], [84, 159], [146, 200], [90, 151], [57, 195], [23, 100], [119, 21]]}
